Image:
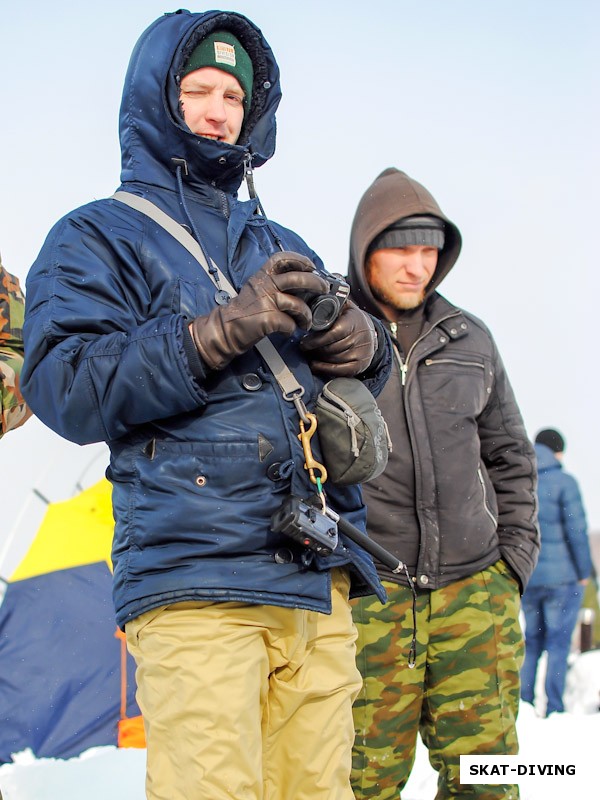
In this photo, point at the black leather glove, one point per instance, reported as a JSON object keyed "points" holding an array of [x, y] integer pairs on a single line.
{"points": [[263, 306], [345, 349]]}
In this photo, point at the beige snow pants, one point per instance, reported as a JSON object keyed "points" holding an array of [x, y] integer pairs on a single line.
{"points": [[249, 702]]}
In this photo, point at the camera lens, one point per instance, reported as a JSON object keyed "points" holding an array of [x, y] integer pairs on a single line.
{"points": [[325, 310]]}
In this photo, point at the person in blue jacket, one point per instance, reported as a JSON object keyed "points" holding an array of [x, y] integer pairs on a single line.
{"points": [[553, 596], [243, 636]]}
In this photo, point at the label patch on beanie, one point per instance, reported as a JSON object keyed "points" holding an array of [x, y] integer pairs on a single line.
{"points": [[224, 53]]}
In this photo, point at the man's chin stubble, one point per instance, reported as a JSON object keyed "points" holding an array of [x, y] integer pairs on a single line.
{"points": [[401, 302]]}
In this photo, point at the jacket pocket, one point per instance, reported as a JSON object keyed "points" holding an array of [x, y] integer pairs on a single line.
{"points": [[193, 298], [201, 495], [459, 384]]}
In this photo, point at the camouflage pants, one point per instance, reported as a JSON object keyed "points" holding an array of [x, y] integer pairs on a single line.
{"points": [[462, 695]]}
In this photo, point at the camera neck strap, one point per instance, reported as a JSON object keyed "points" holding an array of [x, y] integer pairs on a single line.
{"points": [[292, 390]]}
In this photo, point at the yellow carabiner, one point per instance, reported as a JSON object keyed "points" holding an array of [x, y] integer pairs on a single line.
{"points": [[310, 464]]}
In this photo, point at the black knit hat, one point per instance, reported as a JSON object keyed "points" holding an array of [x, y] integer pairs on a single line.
{"points": [[417, 230], [552, 439]]}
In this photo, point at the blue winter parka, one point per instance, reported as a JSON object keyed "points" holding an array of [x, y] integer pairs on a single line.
{"points": [[565, 555], [200, 460]]}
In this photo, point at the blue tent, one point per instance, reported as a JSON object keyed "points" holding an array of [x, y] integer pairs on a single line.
{"points": [[63, 668]]}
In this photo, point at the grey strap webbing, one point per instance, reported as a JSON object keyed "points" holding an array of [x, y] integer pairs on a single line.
{"points": [[290, 387]]}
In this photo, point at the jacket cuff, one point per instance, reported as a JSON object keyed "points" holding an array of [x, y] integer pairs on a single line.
{"points": [[197, 365], [383, 343]]}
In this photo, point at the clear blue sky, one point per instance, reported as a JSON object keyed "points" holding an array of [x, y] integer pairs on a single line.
{"points": [[492, 105]]}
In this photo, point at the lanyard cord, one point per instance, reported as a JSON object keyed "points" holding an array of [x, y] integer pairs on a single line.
{"points": [[412, 653]]}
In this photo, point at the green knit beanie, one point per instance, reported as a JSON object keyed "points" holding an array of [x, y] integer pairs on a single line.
{"points": [[222, 50]]}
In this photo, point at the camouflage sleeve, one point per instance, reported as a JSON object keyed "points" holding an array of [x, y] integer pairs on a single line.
{"points": [[13, 411]]}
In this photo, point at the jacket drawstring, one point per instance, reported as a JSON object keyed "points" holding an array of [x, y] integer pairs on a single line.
{"points": [[249, 176], [178, 173], [221, 295]]}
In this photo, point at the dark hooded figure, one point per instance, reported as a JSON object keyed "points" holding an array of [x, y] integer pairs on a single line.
{"points": [[243, 636], [456, 504]]}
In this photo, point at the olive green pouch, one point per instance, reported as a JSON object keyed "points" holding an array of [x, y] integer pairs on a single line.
{"points": [[354, 437]]}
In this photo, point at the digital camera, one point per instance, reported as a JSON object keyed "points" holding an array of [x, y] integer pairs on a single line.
{"points": [[325, 308], [307, 525]]}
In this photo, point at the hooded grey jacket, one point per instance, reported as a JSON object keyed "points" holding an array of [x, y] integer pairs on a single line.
{"points": [[459, 488]]}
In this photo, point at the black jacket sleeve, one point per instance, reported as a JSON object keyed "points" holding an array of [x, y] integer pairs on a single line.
{"points": [[509, 458]]}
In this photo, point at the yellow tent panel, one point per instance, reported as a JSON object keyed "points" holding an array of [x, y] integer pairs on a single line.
{"points": [[73, 532]]}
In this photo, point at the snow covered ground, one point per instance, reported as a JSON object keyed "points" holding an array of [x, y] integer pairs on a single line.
{"points": [[569, 738]]}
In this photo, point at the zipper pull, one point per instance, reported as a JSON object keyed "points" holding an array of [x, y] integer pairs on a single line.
{"points": [[249, 174], [403, 367], [352, 421], [404, 370], [387, 435]]}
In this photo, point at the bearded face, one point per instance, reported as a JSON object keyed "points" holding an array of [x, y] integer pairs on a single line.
{"points": [[398, 276]]}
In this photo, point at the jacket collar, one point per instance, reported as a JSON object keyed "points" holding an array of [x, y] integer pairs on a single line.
{"points": [[442, 314]]}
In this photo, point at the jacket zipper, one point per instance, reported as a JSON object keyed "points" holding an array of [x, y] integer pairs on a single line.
{"points": [[404, 371], [485, 501], [223, 202], [404, 363]]}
